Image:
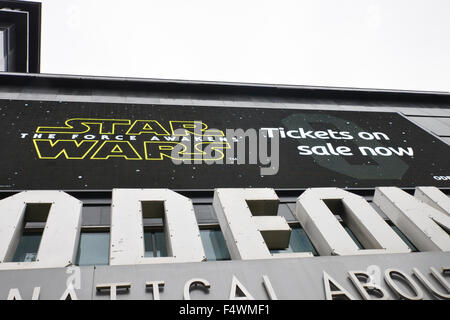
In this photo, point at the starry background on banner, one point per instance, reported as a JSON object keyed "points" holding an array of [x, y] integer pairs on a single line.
{"points": [[22, 170]]}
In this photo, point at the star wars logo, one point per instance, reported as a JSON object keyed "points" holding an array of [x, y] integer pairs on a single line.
{"points": [[102, 139]]}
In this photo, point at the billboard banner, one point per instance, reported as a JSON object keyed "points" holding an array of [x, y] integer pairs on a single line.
{"points": [[101, 146]]}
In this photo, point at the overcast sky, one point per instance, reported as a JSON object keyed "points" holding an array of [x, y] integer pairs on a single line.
{"points": [[395, 44]]}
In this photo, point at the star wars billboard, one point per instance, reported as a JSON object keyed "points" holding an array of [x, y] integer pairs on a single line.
{"points": [[100, 146]]}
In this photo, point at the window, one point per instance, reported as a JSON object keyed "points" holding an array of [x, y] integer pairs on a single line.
{"points": [[28, 247], [155, 243], [214, 245], [299, 242], [93, 249], [31, 232]]}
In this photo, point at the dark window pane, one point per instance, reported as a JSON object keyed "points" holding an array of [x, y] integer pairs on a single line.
{"points": [[299, 242], [214, 245], [93, 249], [28, 247]]}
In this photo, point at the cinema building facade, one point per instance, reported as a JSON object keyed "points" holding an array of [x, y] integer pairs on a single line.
{"points": [[107, 191]]}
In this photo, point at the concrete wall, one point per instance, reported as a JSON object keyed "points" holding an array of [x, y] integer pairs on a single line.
{"points": [[301, 278]]}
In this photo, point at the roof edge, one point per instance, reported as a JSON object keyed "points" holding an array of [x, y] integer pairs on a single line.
{"points": [[126, 83], [222, 83]]}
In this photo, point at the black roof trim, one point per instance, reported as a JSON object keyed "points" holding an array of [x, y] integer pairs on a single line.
{"points": [[187, 87]]}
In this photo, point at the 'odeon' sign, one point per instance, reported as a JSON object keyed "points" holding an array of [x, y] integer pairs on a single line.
{"points": [[248, 219]]}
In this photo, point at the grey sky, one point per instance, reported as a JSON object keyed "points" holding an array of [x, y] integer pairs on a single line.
{"points": [[396, 44]]}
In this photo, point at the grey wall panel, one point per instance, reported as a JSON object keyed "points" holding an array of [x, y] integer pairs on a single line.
{"points": [[91, 216], [67, 97], [438, 126], [445, 121], [8, 94], [290, 278], [295, 278], [205, 214], [108, 96], [208, 102], [73, 94], [159, 97], [105, 219], [96, 216], [284, 210], [53, 282], [142, 100], [437, 112]]}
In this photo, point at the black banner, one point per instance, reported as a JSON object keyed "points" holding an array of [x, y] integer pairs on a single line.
{"points": [[100, 146]]}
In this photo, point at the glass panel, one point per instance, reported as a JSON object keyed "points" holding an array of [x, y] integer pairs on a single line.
{"points": [[299, 242], [161, 248], [154, 239], [214, 245], [28, 247], [93, 249], [148, 244], [404, 238]]}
